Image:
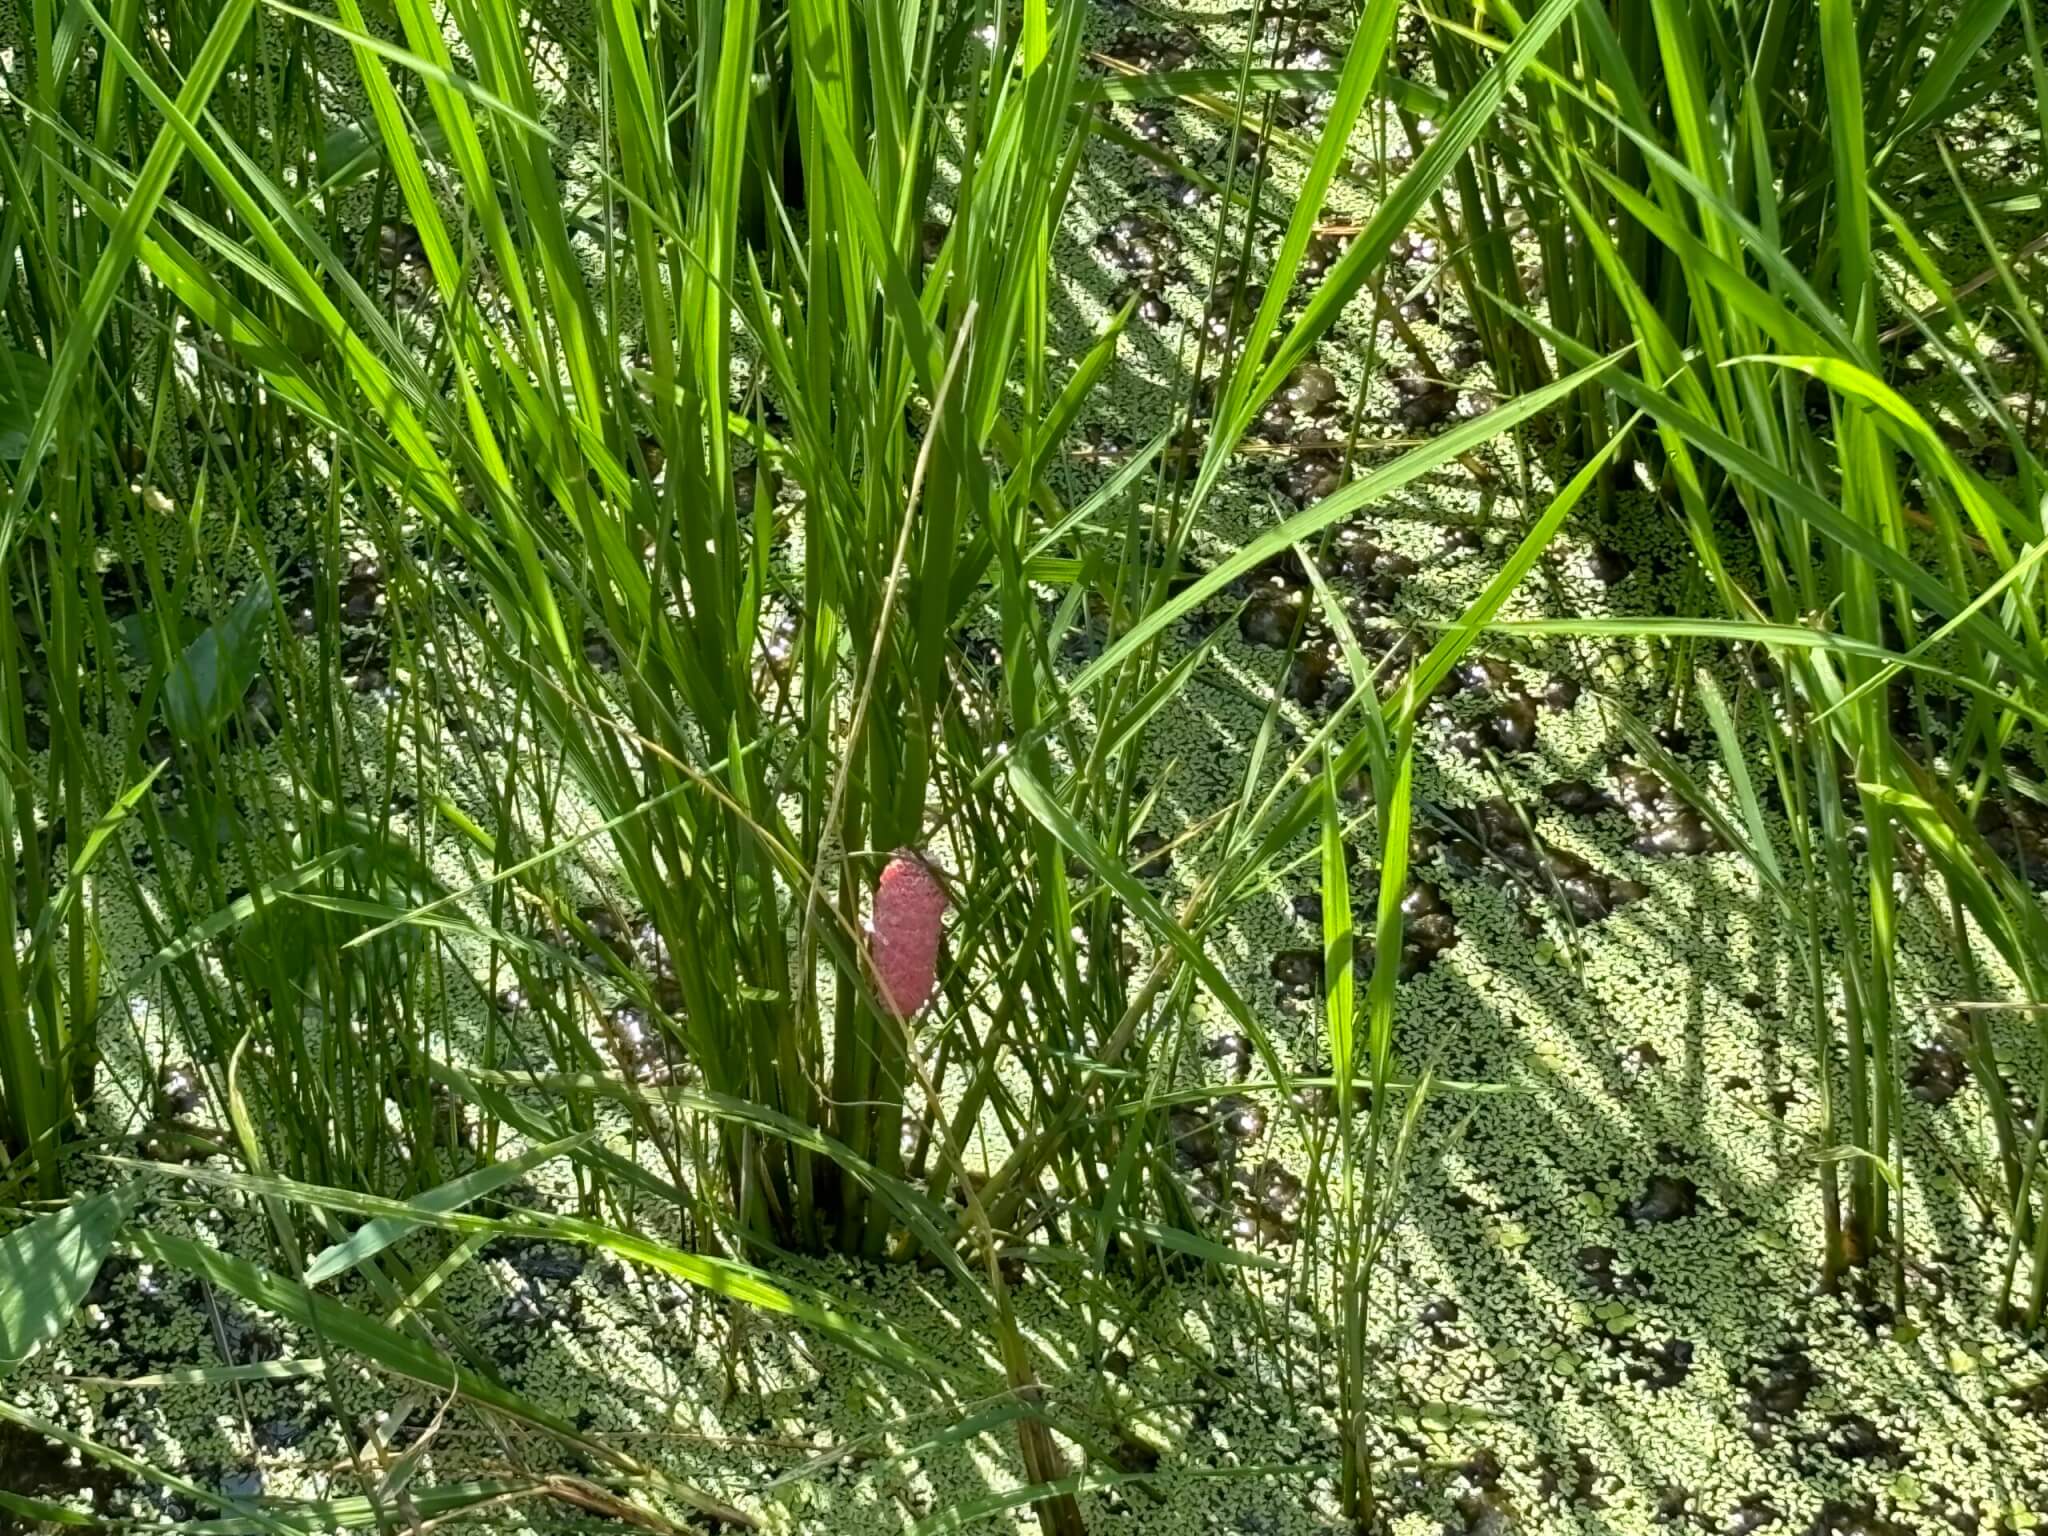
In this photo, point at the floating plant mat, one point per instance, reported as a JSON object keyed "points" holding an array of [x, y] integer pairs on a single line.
{"points": [[1598, 1307]]}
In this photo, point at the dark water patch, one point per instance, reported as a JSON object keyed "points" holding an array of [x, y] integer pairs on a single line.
{"points": [[399, 245], [1149, 49], [1608, 566], [1596, 1263], [1780, 1386], [1855, 1437], [1839, 1518], [1242, 1119], [1232, 304], [1316, 677], [1312, 468], [1192, 1135], [1270, 615], [39, 1468], [35, 698], [1577, 1482], [1437, 1312], [1660, 1367], [362, 595], [1639, 1061], [1665, 1198], [1937, 1074], [180, 1090], [1232, 1052], [1131, 1454], [1425, 403], [1493, 841], [1674, 1505], [2017, 831], [1297, 972], [1941, 1503], [638, 1046]]}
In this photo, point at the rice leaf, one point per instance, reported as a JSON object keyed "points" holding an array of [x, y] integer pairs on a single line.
{"points": [[373, 1237], [47, 1267]]}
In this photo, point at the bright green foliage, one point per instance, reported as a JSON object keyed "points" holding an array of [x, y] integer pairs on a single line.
{"points": [[678, 388], [1720, 188]]}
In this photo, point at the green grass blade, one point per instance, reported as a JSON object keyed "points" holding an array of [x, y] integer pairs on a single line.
{"points": [[1310, 521], [47, 1267], [82, 328], [346, 1329], [373, 1237]]}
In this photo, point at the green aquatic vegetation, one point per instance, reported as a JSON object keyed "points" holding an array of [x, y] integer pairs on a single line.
{"points": [[1751, 274], [530, 510]]}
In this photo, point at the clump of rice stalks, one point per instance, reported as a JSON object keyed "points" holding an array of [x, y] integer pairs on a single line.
{"points": [[1742, 200]]}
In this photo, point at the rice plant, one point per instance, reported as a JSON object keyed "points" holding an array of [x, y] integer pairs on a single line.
{"points": [[1749, 261], [697, 678]]}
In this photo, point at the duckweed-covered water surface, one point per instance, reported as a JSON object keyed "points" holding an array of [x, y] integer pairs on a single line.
{"points": [[1443, 608]]}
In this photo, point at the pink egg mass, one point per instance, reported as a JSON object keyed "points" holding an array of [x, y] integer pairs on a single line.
{"points": [[909, 906]]}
